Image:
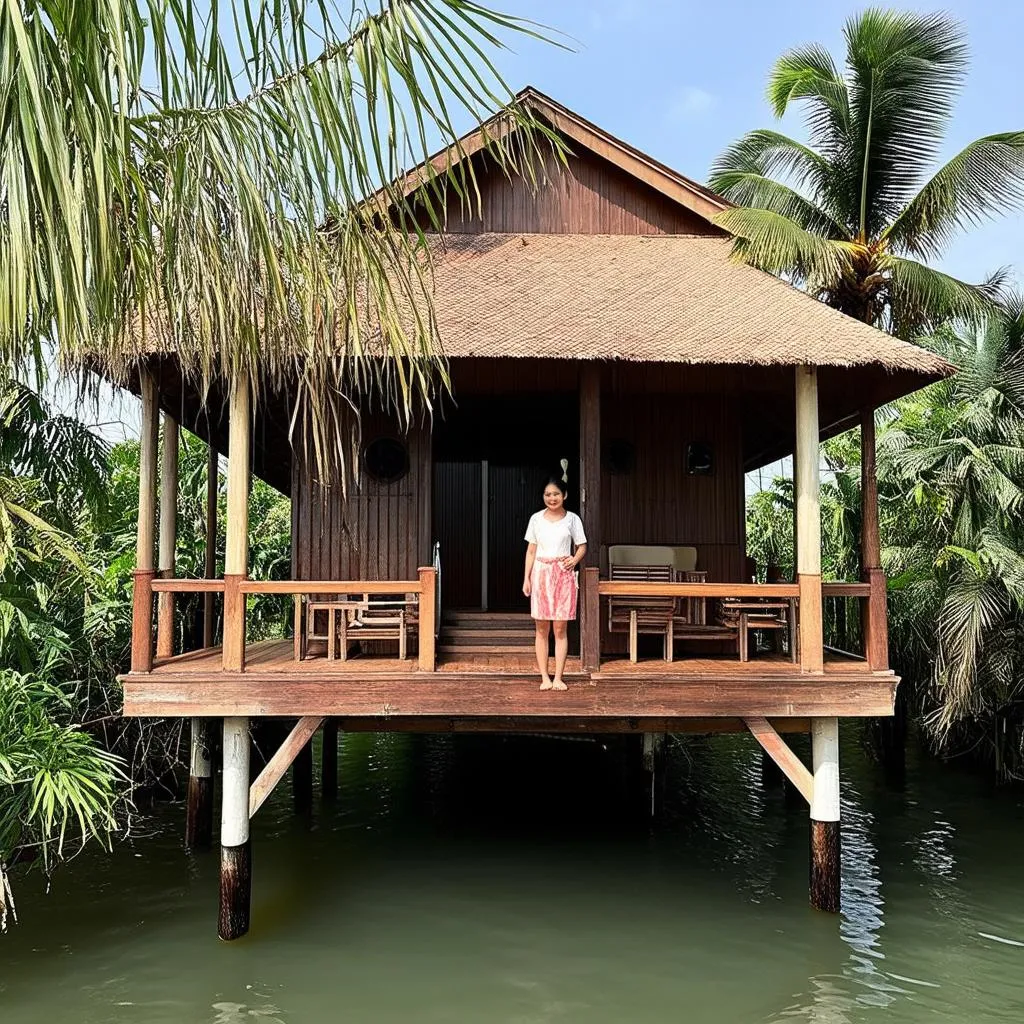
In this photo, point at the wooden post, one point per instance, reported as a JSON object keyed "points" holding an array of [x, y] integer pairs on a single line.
{"points": [[808, 520], [329, 760], [236, 542], [142, 600], [590, 499], [590, 620], [428, 619], [199, 802], [210, 551], [168, 537], [874, 610], [825, 843], [302, 778], [235, 852]]}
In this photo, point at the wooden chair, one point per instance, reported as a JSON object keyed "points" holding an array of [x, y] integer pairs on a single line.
{"points": [[363, 617], [747, 615], [636, 615], [690, 621]]}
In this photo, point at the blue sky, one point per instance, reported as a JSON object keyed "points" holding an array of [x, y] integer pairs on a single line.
{"points": [[682, 80]]}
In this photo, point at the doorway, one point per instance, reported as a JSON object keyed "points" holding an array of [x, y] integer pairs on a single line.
{"points": [[491, 458]]}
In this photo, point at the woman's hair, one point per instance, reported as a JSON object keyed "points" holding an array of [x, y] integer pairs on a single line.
{"points": [[558, 482]]}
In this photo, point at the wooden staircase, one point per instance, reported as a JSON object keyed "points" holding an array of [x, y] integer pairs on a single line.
{"points": [[486, 635]]}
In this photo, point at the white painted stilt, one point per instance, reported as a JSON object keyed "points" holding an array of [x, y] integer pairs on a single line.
{"points": [[235, 854]]}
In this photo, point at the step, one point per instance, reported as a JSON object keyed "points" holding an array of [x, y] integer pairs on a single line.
{"points": [[491, 618], [484, 649], [496, 634]]}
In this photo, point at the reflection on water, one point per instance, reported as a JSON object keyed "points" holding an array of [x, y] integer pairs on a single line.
{"points": [[478, 879]]}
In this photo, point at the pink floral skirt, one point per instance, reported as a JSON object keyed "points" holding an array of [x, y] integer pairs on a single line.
{"points": [[553, 591]]}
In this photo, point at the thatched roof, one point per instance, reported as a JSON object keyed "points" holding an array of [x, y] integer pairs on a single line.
{"points": [[646, 298]]}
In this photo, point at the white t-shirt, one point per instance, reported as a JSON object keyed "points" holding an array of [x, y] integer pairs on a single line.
{"points": [[555, 539]]}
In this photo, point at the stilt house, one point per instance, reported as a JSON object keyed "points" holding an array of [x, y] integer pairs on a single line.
{"points": [[595, 326]]}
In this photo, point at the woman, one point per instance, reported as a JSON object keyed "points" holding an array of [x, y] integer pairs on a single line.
{"points": [[549, 580]]}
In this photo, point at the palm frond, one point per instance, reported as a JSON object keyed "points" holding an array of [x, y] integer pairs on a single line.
{"points": [[923, 297], [776, 243], [809, 73], [169, 174], [905, 70], [984, 179]]}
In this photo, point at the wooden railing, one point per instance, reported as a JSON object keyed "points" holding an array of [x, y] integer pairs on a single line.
{"points": [[236, 590], [870, 594]]}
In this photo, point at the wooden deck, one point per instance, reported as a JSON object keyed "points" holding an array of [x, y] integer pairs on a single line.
{"points": [[471, 691]]}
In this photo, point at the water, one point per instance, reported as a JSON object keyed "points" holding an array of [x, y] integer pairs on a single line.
{"points": [[482, 879]]}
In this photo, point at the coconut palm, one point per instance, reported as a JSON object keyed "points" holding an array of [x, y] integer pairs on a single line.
{"points": [[197, 175], [854, 214]]}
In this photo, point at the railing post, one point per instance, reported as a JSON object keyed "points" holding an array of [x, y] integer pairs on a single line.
{"points": [[874, 610], [142, 620], [427, 619], [168, 537], [236, 543], [590, 621]]}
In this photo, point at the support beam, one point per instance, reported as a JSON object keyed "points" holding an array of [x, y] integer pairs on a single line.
{"points": [[210, 547], [168, 537], [296, 740], [825, 842], [236, 543], [235, 852], [142, 602], [329, 760], [874, 609], [199, 801], [778, 750], [808, 520]]}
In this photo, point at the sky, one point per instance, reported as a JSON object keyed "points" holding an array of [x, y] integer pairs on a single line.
{"points": [[682, 80]]}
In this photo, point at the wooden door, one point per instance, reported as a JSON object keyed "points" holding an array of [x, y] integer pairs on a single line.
{"points": [[514, 494], [458, 528]]}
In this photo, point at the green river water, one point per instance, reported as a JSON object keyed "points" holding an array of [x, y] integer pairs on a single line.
{"points": [[489, 879]]}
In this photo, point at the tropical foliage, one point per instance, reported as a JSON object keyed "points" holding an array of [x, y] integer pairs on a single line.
{"points": [[857, 212], [951, 494], [69, 763]]}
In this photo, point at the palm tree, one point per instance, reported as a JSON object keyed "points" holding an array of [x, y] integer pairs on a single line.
{"points": [[854, 214], [196, 176]]}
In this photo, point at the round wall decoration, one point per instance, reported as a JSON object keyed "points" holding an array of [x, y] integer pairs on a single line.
{"points": [[386, 459]]}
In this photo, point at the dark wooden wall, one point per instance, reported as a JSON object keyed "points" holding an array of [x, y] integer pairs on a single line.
{"points": [[588, 196], [385, 531], [657, 501], [376, 530]]}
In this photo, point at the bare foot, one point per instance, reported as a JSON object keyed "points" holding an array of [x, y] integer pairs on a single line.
{"points": [[559, 685], [546, 684]]}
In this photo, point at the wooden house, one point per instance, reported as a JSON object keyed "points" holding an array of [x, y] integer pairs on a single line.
{"points": [[596, 325]]}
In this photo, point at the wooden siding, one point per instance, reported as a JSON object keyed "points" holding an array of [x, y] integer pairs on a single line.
{"points": [[588, 196], [658, 502], [458, 486], [376, 531], [386, 531]]}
